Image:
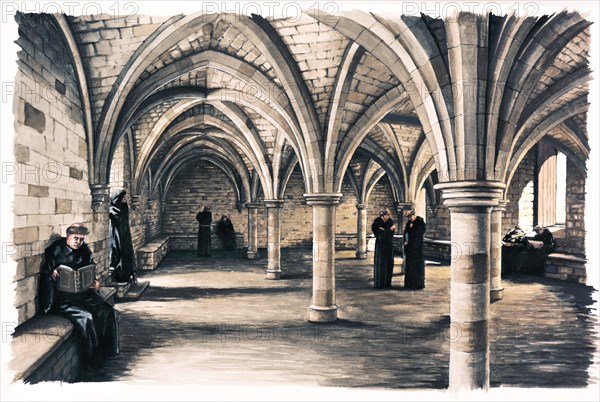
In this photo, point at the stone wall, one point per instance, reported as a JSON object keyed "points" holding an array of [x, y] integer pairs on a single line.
{"points": [[438, 226], [51, 180], [296, 216], [381, 197], [519, 188], [199, 185], [205, 184], [574, 240]]}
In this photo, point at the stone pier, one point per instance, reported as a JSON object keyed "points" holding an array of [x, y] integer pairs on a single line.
{"points": [[323, 307], [470, 204]]}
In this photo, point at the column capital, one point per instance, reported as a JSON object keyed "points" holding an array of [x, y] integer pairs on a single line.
{"points": [[323, 198], [361, 206], [254, 205], [401, 206], [136, 200], [99, 194], [501, 206], [484, 193], [433, 209], [273, 203]]}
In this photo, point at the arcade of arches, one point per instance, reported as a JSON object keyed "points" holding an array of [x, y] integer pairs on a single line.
{"points": [[300, 130]]}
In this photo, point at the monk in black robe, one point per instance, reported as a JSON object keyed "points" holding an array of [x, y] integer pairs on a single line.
{"points": [[414, 263], [536, 255], [122, 257], [95, 320], [383, 228], [204, 218], [514, 251], [226, 233]]}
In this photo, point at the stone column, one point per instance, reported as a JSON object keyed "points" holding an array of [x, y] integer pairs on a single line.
{"points": [[470, 204], [496, 289], [323, 307], [401, 207], [273, 238], [361, 231], [99, 194], [252, 251]]}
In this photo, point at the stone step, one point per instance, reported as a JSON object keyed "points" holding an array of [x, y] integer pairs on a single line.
{"points": [[134, 292], [120, 287]]}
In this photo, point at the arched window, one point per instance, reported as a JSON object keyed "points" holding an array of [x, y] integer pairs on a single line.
{"points": [[561, 188], [551, 186], [526, 207]]}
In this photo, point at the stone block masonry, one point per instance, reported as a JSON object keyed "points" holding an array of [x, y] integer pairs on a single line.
{"points": [[50, 175], [205, 184]]}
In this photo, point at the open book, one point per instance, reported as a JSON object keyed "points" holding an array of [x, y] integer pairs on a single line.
{"points": [[536, 244], [75, 280]]}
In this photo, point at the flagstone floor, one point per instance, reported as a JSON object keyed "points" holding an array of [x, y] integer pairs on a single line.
{"points": [[219, 321]]}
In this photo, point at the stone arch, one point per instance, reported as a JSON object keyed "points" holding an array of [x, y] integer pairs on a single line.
{"points": [[205, 142], [411, 66], [370, 185], [220, 131], [82, 86], [169, 34], [536, 133], [548, 38], [241, 193], [390, 166], [250, 142]]}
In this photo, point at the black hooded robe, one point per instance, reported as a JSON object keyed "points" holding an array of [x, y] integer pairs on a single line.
{"points": [[536, 257], [384, 252], [414, 274], [226, 233], [204, 218], [122, 257], [95, 320]]}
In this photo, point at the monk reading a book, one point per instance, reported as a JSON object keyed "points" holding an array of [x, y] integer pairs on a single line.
{"points": [[74, 295]]}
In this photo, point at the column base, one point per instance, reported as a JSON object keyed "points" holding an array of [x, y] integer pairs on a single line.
{"points": [[361, 255], [273, 274], [496, 294], [322, 314], [251, 255]]}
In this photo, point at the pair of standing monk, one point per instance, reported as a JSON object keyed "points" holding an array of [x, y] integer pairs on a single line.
{"points": [[384, 228]]}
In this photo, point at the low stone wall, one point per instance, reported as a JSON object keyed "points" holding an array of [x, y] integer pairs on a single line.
{"points": [[345, 241], [438, 250]]}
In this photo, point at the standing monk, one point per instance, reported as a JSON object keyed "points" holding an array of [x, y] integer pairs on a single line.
{"points": [[414, 275], [204, 218], [226, 232], [122, 258], [383, 228]]}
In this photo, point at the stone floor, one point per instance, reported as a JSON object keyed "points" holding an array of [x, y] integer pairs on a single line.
{"points": [[219, 321]]}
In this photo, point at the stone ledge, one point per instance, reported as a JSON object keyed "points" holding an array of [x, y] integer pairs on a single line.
{"points": [[41, 341], [35, 341], [566, 257]]}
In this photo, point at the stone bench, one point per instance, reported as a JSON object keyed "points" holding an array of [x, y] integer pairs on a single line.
{"points": [[152, 253], [189, 241], [566, 267], [44, 347]]}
